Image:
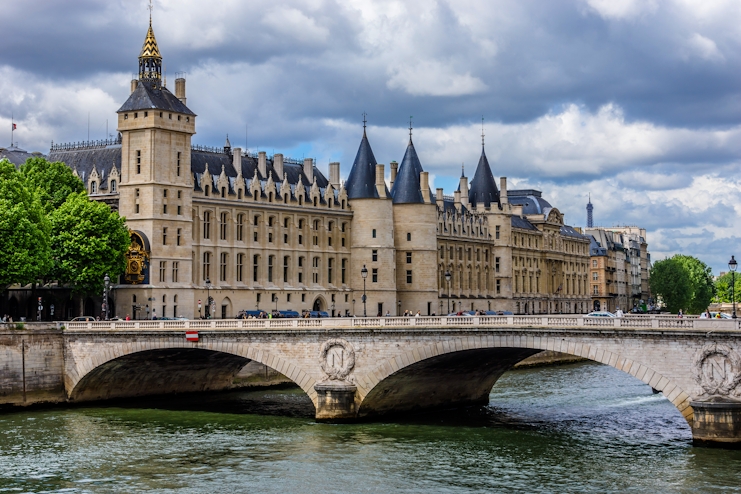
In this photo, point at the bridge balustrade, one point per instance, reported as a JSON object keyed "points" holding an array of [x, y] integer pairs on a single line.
{"points": [[556, 321]]}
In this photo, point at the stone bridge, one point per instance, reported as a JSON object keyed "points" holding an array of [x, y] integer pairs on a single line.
{"points": [[359, 368]]}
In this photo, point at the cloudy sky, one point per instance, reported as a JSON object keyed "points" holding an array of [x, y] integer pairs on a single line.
{"points": [[637, 102]]}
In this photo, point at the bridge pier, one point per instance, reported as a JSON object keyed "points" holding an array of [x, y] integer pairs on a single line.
{"points": [[717, 423], [335, 402]]}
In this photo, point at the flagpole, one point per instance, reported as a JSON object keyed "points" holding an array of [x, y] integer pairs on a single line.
{"points": [[12, 128]]}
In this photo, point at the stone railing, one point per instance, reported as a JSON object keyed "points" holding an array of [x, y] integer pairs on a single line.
{"points": [[462, 322]]}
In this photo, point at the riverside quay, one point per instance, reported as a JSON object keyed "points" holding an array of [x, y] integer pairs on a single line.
{"points": [[360, 368]]}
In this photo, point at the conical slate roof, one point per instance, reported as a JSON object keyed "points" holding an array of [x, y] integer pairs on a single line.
{"points": [[483, 187], [406, 189], [361, 183]]}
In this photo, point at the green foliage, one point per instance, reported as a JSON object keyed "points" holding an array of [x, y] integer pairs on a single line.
{"points": [[24, 230], [53, 182], [671, 282], [89, 241], [701, 280], [723, 288]]}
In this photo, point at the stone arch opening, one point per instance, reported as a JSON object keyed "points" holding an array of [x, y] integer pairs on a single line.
{"points": [[169, 370], [319, 304], [412, 382]]}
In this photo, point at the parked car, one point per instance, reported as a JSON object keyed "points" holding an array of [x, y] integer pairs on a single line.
{"points": [[83, 319], [601, 313], [246, 314], [723, 315], [318, 313], [289, 314], [499, 313]]}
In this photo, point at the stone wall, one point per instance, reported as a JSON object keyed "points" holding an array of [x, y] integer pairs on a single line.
{"points": [[31, 366]]}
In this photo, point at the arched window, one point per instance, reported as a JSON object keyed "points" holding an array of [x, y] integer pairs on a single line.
{"points": [[206, 190], [113, 186], [92, 187], [239, 194]]}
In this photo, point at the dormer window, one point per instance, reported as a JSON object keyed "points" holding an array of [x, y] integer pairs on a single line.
{"points": [[113, 186], [92, 187]]}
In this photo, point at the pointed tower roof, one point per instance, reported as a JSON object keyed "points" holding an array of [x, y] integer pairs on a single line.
{"points": [[150, 48], [406, 189], [361, 183], [483, 187]]}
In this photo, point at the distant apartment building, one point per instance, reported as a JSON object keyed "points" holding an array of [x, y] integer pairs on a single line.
{"points": [[619, 267]]}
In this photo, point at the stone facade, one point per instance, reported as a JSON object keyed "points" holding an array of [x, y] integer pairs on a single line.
{"points": [[251, 231]]}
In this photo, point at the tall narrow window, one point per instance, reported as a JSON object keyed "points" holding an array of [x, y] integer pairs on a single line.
{"points": [[138, 161], [496, 234], [207, 224], [164, 236], [409, 257], [223, 225], [240, 227], [286, 260], [255, 267], [300, 270], [409, 237], [496, 264], [499, 286], [409, 276], [222, 266], [315, 271], [175, 269], [374, 255], [343, 266], [374, 278], [178, 169], [206, 265], [163, 271], [113, 186], [373, 233], [330, 262], [240, 263], [270, 268], [180, 230]]}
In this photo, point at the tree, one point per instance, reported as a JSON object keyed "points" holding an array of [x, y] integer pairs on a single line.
{"points": [[52, 181], [88, 241], [723, 288], [701, 279], [670, 281], [24, 230]]}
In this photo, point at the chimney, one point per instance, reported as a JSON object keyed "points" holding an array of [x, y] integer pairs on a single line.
{"points": [[262, 164], [134, 83], [457, 199], [394, 169], [278, 167], [464, 190], [237, 160], [180, 89], [380, 183], [439, 198], [309, 169], [503, 190], [424, 186], [334, 174]]}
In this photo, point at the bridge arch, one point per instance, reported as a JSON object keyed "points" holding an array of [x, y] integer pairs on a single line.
{"points": [[465, 354], [226, 356]]}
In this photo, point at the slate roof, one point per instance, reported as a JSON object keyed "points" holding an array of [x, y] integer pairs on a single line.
{"points": [[595, 249], [406, 189], [483, 187], [149, 96], [18, 156], [83, 160], [522, 223], [530, 201], [569, 231], [361, 183]]}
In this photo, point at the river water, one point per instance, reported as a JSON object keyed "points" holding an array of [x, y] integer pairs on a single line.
{"points": [[577, 428]]}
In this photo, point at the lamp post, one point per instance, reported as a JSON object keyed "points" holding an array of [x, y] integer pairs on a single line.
{"points": [[353, 307], [200, 316], [364, 274], [208, 298], [107, 283], [732, 265], [398, 311], [447, 278]]}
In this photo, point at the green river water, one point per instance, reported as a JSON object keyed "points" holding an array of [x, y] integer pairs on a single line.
{"points": [[577, 428]]}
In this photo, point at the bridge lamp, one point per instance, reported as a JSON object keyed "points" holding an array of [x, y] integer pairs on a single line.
{"points": [[732, 265], [107, 283], [447, 278], [364, 274], [398, 312]]}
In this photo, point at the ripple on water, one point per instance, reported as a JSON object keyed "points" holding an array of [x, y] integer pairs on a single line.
{"points": [[578, 428]]}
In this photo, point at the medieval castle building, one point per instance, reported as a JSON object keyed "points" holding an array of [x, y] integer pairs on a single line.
{"points": [[253, 231]]}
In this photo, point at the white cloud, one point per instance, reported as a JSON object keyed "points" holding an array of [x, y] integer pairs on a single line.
{"points": [[294, 23], [622, 9], [433, 78], [702, 47]]}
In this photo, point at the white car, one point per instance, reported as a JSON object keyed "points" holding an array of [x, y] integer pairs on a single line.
{"points": [[601, 313]]}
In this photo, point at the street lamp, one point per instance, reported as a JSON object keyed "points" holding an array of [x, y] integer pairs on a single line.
{"points": [[398, 312], [732, 265], [447, 278], [200, 316], [208, 298], [364, 274], [107, 282]]}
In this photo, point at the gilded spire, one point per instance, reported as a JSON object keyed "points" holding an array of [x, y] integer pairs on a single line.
{"points": [[150, 58]]}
